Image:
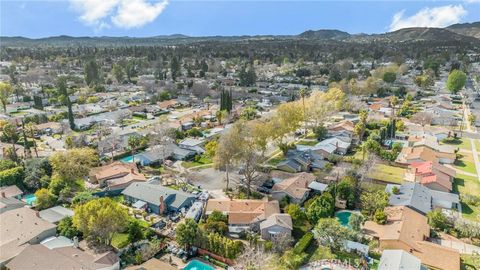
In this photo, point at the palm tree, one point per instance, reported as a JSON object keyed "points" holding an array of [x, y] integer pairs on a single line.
{"points": [[10, 134], [134, 143], [30, 129]]}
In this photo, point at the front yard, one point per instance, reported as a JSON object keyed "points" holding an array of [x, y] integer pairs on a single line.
{"points": [[387, 173], [463, 185], [462, 143], [465, 163], [203, 160]]}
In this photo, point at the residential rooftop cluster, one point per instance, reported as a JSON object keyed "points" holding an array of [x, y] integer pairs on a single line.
{"points": [[169, 158]]}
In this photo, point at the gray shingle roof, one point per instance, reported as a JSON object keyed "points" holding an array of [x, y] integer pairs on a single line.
{"points": [[151, 193], [413, 195]]}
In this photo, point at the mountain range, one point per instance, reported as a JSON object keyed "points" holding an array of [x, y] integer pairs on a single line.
{"points": [[465, 32]]}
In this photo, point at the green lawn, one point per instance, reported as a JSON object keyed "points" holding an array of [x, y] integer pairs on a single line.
{"points": [[462, 143], [120, 240], [309, 143], [477, 145], [466, 163], [274, 161], [202, 161], [464, 184], [316, 253], [387, 173]]}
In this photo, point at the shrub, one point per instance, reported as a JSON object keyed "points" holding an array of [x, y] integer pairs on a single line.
{"points": [[437, 220], [12, 176], [380, 217], [303, 243]]}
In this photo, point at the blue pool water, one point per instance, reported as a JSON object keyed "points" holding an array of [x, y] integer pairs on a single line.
{"points": [[197, 265], [127, 159], [30, 199], [343, 217]]}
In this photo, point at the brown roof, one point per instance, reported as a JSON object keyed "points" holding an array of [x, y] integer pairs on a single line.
{"points": [[411, 228], [39, 257], [17, 228], [52, 125], [113, 170], [167, 103], [243, 211], [344, 125], [296, 186], [409, 154], [10, 191], [152, 264]]}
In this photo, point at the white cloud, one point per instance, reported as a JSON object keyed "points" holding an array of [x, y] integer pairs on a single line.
{"points": [[429, 17], [135, 13], [123, 13]]}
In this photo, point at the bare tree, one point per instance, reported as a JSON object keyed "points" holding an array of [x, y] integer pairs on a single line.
{"points": [[161, 137], [422, 118], [254, 257]]}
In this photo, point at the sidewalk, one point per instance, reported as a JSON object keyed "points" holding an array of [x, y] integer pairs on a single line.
{"points": [[475, 158]]}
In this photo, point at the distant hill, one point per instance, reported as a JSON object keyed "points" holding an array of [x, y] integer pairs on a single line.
{"points": [[324, 34], [466, 29], [425, 33], [466, 33]]}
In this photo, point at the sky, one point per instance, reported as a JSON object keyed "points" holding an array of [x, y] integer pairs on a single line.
{"points": [[142, 18]]}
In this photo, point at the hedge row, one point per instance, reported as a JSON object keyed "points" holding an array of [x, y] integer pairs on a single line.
{"points": [[303, 243]]}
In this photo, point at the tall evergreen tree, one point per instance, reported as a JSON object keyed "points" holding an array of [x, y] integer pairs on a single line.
{"points": [[62, 89]]}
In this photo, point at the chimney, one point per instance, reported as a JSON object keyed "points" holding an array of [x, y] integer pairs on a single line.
{"points": [[37, 213], [3, 194], [132, 170], [162, 205]]}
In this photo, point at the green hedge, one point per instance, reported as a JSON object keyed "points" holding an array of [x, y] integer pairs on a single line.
{"points": [[303, 243], [12, 176]]}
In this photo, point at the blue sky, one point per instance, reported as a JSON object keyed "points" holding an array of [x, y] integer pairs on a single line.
{"points": [[139, 18]]}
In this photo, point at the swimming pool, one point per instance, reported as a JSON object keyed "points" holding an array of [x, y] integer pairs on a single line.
{"points": [[127, 159], [343, 217], [197, 265], [30, 199]]}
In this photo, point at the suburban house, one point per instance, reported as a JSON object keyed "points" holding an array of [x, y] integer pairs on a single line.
{"points": [[116, 176], [408, 230], [60, 257], [152, 264], [11, 192], [193, 145], [432, 175], [296, 188], [50, 128], [20, 228], [243, 215], [343, 129], [341, 144], [417, 154], [156, 198], [421, 198], [430, 142], [276, 225], [301, 161], [7, 204], [395, 259], [55, 214]]}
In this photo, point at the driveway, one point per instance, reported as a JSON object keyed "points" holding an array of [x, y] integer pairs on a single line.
{"points": [[213, 180]]}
